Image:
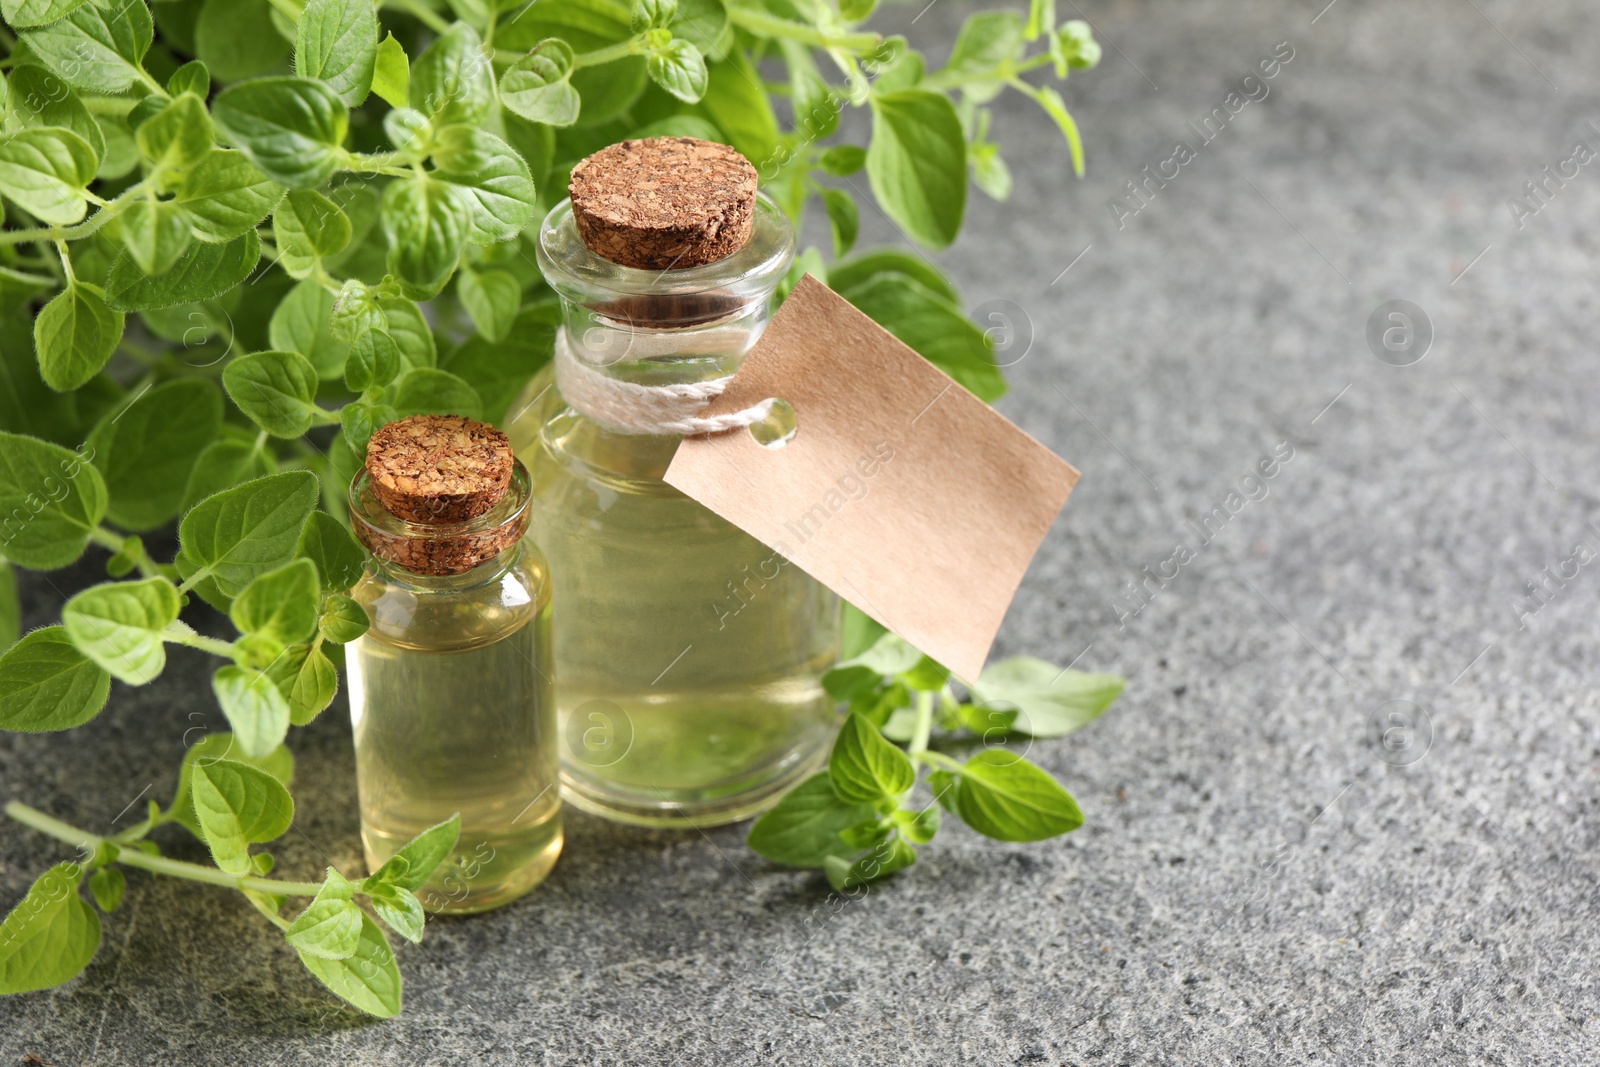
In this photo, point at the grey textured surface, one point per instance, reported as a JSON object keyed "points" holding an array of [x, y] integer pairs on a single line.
{"points": [[1257, 884]]}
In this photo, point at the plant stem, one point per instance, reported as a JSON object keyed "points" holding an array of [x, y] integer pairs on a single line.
{"points": [[923, 728], [939, 759], [180, 634], [620, 50], [83, 229], [130, 857], [772, 26], [116, 542]]}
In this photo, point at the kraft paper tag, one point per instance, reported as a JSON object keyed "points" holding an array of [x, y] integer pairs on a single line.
{"points": [[900, 491]]}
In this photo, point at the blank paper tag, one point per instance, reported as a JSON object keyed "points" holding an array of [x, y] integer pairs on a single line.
{"points": [[901, 491]]}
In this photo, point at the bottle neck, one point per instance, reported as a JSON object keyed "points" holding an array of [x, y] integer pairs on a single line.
{"points": [[485, 573]]}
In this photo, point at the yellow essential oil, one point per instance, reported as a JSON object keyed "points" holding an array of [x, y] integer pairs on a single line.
{"points": [[452, 700], [689, 655]]}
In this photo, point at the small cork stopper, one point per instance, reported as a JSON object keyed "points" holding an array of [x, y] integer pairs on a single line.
{"points": [[664, 203], [437, 469], [441, 472]]}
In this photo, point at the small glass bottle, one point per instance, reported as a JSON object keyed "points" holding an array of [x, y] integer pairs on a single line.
{"points": [[690, 655], [451, 696]]}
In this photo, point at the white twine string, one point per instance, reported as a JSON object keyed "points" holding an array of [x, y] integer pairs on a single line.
{"points": [[630, 408]]}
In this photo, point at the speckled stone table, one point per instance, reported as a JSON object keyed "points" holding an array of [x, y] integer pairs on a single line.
{"points": [[1346, 811]]}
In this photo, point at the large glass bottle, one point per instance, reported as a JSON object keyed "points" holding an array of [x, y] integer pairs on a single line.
{"points": [[451, 696], [689, 656]]}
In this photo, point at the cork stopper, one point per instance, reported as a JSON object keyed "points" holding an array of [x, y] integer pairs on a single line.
{"points": [[441, 476], [437, 469], [664, 203]]}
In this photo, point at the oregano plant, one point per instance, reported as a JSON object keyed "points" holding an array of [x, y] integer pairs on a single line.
{"points": [[239, 235]]}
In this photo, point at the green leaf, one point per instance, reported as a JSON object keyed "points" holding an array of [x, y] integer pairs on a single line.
{"points": [[225, 195], [47, 684], [203, 272], [935, 328], [653, 14], [334, 552], [491, 299], [803, 830], [357, 422], [50, 936], [155, 233], [177, 135], [237, 805], [889, 655], [1049, 702], [985, 48], [451, 82], [414, 864], [680, 69], [917, 164], [369, 979], [374, 361], [25, 14], [1056, 108], [858, 631], [50, 501], [118, 625], [308, 228], [282, 603], [238, 38], [864, 767], [307, 679], [919, 827], [887, 858], [230, 539], [856, 271], [607, 89], [330, 927], [1003, 796], [257, 711], [989, 171], [220, 465], [146, 449], [301, 324], [193, 77], [843, 160], [736, 103], [36, 97], [704, 24], [337, 41], [44, 170], [538, 86], [10, 608], [498, 370], [107, 885], [279, 763], [400, 909], [276, 390], [343, 620], [96, 49], [410, 333], [426, 221], [499, 190], [293, 129], [843, 219], [391, 73], [426, 391], [75, 335]]}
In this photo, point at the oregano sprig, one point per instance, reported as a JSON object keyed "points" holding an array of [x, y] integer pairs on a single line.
{"points": [[233, 246]]}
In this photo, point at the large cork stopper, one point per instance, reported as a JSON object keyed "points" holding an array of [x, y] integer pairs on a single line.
{"points": [[440, 472], [664, 203]]}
